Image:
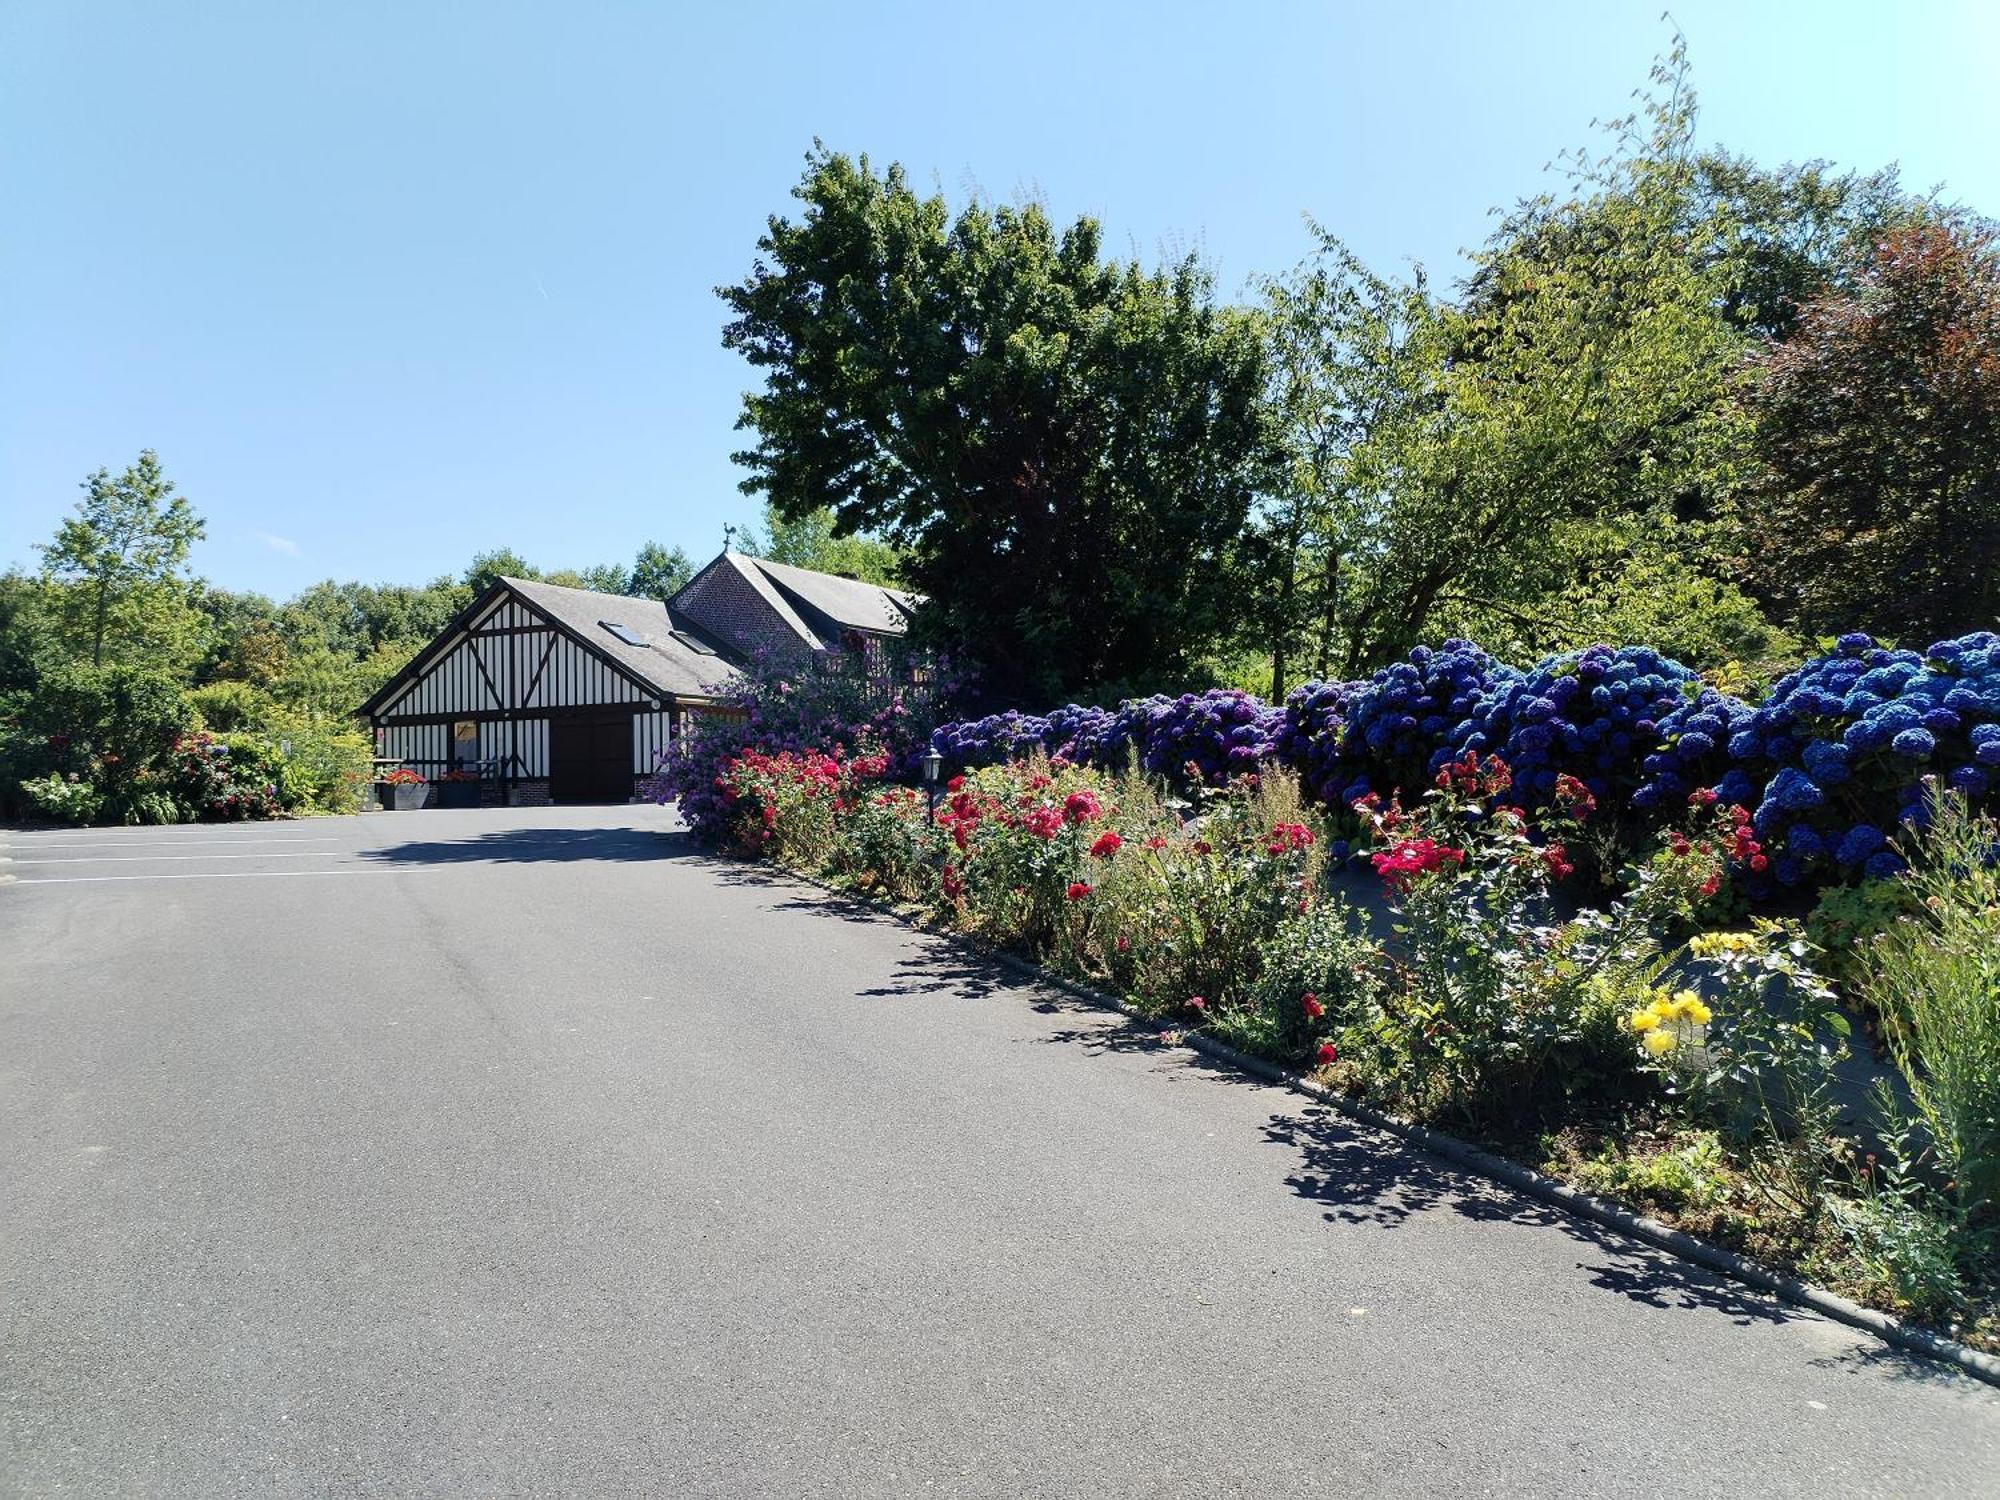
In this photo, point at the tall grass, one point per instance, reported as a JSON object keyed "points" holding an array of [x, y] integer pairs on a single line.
{"points": [[1935, 977]]}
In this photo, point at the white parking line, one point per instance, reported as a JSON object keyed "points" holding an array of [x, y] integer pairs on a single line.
{"points": [[112, 859], [225, 875], [158, 843]]}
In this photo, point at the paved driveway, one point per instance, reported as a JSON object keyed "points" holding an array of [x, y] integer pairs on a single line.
{"points": [[529, 1153]]}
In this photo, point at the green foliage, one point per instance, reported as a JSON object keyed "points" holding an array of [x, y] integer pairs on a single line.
{"points": [[325, 767], [230, 705], [114, 569], [1062, 447], [813, 540], [1935, 978], [488, 567], [127, 716], [1689, 1176], [1847, 920], [1659, 594], [1876, 501], [63, 797], [658, 572], [1468, 467]]}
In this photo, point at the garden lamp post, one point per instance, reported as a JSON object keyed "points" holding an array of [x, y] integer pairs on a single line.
{"points": [[933, 768]]}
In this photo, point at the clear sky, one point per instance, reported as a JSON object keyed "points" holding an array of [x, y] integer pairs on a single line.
{"points": [[386, 284]]}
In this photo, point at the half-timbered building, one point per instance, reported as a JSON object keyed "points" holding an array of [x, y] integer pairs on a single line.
{"points": [[552, 694]]}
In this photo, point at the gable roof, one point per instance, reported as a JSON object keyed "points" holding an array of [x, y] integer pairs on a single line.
{"points": [[679, 659], [846, 603]]}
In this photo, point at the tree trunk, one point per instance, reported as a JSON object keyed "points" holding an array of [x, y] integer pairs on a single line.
{"points": [[97, 630]]}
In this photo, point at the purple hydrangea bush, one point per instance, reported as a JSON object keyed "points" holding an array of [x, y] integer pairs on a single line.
{"points": [[1308, 740]]}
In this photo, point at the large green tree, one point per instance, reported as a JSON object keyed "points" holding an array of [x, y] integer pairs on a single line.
{"points": [[658, 572], [1877, 501], [1062, 447], [1467, 465], [116, 569]]}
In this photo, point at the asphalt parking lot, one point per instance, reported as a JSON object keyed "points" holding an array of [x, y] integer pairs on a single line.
{"points": [[532, 1152]]}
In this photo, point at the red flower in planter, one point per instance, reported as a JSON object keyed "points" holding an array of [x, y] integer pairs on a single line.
{"points": [[1327, 1053], [1312, 1007], [1078, 891], [1108, 843]]}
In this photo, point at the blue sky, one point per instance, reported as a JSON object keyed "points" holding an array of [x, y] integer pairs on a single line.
{"points": [[387, 284]]}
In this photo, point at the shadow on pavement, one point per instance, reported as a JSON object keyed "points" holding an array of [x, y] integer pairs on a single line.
{"points": [[1358, 1176], [541, 846]]}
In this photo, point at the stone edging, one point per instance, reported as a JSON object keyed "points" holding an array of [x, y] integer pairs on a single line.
{"points": [[1533, 1184]]}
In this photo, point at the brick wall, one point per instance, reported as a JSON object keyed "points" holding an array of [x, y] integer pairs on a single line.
{"points": [[529, 794], [725, 603]]}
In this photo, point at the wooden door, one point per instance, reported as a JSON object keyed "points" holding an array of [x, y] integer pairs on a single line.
{"points": [[590, 757]]}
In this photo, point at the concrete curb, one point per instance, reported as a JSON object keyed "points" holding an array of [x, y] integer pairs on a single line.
{"points": [[1525, 1180]]}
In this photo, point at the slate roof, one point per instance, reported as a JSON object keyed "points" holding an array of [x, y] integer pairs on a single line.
{"points": [[679, 660], [845, 603]]}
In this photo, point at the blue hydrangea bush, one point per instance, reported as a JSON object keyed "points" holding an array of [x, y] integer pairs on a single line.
{"points": [[1405, 722], [1844, 751], [1594, 714]]}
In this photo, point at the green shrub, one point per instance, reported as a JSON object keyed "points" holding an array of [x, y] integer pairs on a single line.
{"points": [[326, 767], [64, 799], [229, 705], [1847, 920], [1935, 978]]}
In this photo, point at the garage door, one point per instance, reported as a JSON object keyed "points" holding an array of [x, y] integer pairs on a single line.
{"points": [[590, 758]]}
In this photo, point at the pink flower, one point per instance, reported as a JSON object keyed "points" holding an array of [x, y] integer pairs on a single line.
{"points": [[1195, 1002]]}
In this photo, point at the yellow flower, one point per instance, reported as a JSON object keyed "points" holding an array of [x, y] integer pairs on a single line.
{"points": [[1663, 1007], [1643, 1020], [1659, 1043], [1688, 1007]]}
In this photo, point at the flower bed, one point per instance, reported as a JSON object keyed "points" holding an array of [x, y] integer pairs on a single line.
{"points": [[1622, 1040]]}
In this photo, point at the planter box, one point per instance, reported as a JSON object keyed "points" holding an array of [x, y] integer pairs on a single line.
{"points": [[401, 798], [456, 794]]}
